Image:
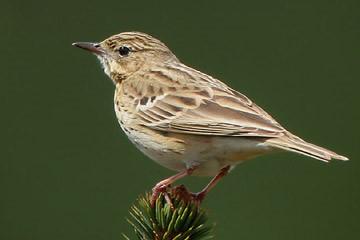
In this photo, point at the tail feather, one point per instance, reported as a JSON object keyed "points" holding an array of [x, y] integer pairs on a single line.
{"points": [[295, 144]]}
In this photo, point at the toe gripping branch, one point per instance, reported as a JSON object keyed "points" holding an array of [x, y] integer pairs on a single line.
{"points": [[165, 188]]}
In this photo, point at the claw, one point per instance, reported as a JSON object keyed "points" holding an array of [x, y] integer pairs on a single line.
{"points": [[199, 197], [182, 192], [164, 185], [157, 190]]}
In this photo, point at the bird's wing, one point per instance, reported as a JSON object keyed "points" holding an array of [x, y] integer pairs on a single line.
{"points": [[206, 110]]}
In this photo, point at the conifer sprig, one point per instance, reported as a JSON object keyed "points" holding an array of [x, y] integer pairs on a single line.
{"points": [[184, 220]]}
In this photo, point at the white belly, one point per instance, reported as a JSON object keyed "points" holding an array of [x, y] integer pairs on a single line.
{"points": [[208, 154], [221, 152]]}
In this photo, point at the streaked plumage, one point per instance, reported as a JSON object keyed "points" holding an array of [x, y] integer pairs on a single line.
{"points": [[183, 118]]}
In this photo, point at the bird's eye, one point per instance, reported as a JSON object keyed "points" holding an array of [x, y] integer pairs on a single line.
{"points": [[124, 51]]}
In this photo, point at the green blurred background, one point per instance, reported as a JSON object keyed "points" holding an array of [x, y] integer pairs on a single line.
{"points": [[68, 172]]}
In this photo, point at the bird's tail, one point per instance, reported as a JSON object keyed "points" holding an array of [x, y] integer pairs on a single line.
{"points": [[293, 143]]}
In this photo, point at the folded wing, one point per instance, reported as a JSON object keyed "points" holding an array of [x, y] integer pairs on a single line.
{"points": [[208, 111]]}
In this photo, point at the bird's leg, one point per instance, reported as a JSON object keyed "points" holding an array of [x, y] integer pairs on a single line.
{"points": [[201, 195], [162, 186]]}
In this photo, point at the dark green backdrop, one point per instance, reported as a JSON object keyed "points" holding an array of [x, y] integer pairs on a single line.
{"points": [[68, 172]]}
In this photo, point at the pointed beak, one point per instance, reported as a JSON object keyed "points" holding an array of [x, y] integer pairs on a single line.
{"points": [[91, 47]]}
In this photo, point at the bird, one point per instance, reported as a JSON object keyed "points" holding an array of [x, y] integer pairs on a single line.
{"points": [[186, 120]]}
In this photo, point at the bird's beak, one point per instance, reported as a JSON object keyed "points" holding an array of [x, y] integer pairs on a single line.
{"points": [[91, 47]]}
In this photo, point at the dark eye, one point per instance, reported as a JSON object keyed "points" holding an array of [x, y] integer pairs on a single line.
{"points": [[124, 51]]}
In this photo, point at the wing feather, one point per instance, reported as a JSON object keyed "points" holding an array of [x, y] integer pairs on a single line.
{"points": [[207, 111]]}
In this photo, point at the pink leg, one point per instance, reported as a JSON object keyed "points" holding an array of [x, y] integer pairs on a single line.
{"points": [[201, 195], [164, 184]]}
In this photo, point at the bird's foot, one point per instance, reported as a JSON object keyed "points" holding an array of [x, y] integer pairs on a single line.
{"points": [[164, 186], [180, 192], [160, 188], [187, 196]]}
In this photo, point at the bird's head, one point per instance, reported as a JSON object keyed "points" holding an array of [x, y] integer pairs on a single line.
{"points": [[123, 54]]}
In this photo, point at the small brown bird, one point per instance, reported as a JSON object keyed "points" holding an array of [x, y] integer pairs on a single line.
{"points": [[183, 119]]}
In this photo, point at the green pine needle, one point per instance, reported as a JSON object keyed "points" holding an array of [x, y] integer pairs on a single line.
{"points": [[185, 221]]}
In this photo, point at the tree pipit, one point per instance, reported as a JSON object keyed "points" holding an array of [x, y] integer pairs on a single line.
{"points": [[184, 119]]}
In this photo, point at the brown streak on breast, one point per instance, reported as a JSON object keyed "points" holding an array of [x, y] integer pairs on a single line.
{"points": [[118, 78]]}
